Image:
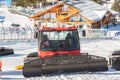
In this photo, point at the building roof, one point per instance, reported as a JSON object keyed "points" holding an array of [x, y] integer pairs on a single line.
{"points": [[88, 9], [91, 10]]}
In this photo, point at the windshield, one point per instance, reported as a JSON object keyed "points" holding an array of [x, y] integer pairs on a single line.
{"points": [[59, 40]]}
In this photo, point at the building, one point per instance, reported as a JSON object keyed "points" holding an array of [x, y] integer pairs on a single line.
{"points": [[6, 3], [80, 13], [112, 1], [49, 1]]}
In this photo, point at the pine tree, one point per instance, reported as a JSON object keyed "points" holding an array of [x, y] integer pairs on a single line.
{"points": [[25, 3], [98, 1], [116, 6], [95, 0]]}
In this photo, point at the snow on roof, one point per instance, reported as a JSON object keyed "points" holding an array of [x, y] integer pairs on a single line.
{"points": [[100, 13], [113, 12], [91, 10]]}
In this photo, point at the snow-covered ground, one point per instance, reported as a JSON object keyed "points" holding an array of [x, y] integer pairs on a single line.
{"points": [[22, 48], [14, 18]]}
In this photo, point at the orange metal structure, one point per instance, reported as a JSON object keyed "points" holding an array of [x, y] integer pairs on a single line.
{"points": [[61, 15]]}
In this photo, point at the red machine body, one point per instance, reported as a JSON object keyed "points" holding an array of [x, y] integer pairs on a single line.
{"points": [[58, 40], [0, 65], [59, 51]]}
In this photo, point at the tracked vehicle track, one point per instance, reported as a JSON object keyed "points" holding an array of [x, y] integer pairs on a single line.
{"points": [[63, 64]]}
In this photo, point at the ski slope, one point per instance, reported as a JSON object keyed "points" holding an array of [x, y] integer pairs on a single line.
{"points": [[14, 18]]}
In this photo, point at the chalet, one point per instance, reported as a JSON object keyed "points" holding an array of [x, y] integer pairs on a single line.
{"points": [[80, 13], [114, 1]]}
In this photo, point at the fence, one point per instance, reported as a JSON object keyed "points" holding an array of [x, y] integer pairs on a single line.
{"points": [[94, 33], [13, 33], [10, 33]]}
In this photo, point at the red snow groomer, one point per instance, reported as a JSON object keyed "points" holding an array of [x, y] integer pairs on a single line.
{"points": [[59, 52], [59, 44]]}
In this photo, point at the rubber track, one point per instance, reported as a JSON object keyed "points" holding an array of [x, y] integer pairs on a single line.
{"points": [[63, 64]]}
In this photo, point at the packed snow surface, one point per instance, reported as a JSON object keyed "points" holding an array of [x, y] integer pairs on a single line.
{"points": [[14, 18], [22, 48]]}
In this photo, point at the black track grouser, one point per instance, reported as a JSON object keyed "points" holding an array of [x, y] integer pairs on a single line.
{"points": [[63, 64], [114, 60], [6, 51]]}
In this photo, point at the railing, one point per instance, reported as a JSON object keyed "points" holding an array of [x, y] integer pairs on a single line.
{"points": [[13, 33], [94, 33]]}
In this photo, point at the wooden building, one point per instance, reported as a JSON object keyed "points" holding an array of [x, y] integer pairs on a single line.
{"points": [[80, 13]]}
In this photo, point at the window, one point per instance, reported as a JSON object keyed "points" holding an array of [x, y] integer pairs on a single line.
{"points": [[60, 40]]}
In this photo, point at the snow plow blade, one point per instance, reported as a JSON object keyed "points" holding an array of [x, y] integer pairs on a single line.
{"points": [[6, 51], [63, 64]]}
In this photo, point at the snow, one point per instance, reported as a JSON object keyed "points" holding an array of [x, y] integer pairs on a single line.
{"points": [[102, 48], [114, 32], [21, 48], [117, 28], [91, 10], [101, 13], [14, 18]]}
